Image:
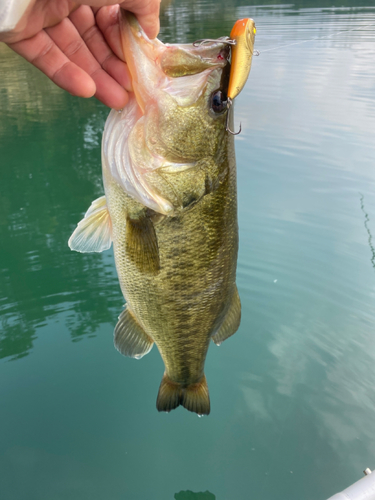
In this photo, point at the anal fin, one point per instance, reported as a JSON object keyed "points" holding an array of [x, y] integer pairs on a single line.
{"points": [[141, 244], [129, 338], [231, 321]]}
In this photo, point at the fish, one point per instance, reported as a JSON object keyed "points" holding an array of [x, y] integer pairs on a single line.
{"points": [[170, 211]]}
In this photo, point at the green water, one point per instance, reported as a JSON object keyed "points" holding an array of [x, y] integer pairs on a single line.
{"points": [[293, 392]]}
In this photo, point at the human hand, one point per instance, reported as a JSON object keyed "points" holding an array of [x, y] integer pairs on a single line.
{"points": [[79, 47]]}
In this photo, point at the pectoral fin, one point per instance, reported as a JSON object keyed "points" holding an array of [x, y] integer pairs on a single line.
{"points": [[231, 321], [142, 245], [130, 339], [94, 232]]}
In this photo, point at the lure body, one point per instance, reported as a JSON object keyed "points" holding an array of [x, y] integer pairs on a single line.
{"points": [[243, 33]]}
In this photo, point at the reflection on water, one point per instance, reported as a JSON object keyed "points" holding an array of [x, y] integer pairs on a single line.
{"points": [[367, 220], [189, 495], [293, 390], [46, 173]]}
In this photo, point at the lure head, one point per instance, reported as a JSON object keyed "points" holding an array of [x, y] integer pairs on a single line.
{"points": [[244, 29], [243, 33]]}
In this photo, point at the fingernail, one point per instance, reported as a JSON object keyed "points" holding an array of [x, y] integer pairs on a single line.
{"points": [[113, 12]]}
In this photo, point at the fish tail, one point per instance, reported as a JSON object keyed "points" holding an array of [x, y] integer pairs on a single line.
{"points": [[194, 397], [169, 396]]}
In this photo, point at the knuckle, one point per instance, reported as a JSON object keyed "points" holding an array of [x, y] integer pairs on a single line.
{"points": [[107, 61], [43, 52], [96, 72], [89, 34], [59, 70], [72, 48]]}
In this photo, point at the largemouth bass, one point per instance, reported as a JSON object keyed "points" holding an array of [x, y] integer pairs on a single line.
{"points": [[170, 209]]}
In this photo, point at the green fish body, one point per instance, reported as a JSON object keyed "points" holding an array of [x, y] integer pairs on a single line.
{"points": [[170, 209]]}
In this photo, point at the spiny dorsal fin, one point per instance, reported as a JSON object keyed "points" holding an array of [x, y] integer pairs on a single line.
{"points": [[130, 339], [142, 245], [94, 232], [231, 321], [194, 397]]}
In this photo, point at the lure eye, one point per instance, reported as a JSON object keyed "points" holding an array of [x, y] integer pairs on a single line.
{"points": [[218, 102]]}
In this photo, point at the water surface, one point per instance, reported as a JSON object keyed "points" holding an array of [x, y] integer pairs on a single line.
{"points": [[293, 392]]}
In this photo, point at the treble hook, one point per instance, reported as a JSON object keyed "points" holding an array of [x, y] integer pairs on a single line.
{"points": [[224, 39], [229, 106]]}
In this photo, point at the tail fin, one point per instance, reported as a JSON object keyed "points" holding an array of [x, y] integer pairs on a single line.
{"points": [[169, 396], [194, 397]]}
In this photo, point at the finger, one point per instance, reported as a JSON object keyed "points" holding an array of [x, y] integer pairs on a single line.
{"points": [[147, 13], [43, 53], [85, 23], [67, 38], [38, 15], [107, 19]]}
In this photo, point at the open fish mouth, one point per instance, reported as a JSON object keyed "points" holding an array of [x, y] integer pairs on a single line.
{"points": [[171, 83], [155, 66]]}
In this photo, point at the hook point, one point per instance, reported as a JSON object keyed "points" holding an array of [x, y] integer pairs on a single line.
{"points": [[229, 105]]}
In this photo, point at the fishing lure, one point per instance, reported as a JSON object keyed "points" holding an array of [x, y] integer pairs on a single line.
{"points": [[243, 36], [241, 40], [243, 33]]}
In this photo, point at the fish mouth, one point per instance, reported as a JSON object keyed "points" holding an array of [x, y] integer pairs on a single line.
{"points": [[165, 79], [154, 65]]}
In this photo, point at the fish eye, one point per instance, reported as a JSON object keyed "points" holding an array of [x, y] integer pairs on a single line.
{"points": [[218, 102]]}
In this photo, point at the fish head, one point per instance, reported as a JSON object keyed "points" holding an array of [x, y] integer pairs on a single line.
{"points": [[174, 122]]}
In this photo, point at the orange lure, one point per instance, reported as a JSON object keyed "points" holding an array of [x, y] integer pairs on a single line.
{"points": [[243, 33]]}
